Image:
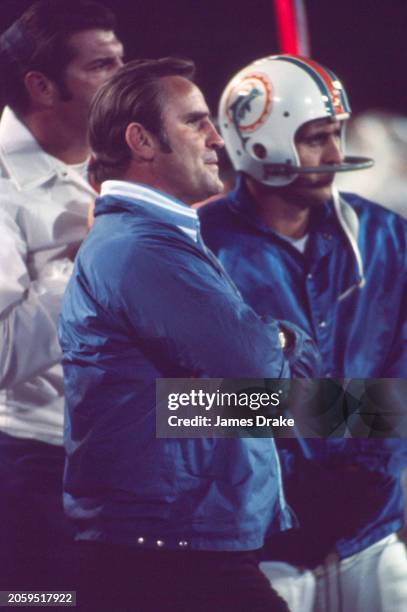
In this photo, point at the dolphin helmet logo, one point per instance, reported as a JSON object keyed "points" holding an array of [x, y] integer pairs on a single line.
{"points": [[249, 104]]}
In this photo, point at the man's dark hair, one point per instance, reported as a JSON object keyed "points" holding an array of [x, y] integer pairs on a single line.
{"points": [[39, 40], [134, 93]]}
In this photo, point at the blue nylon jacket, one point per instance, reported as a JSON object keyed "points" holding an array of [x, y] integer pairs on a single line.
{"points": [[352, 299], [146, 301]]}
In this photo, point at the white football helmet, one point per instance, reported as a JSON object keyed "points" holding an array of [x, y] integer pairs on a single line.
{"points": [[265, 104]]}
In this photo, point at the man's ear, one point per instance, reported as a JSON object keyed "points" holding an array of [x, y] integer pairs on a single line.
{"points": [[40, 88], [140, 141]]}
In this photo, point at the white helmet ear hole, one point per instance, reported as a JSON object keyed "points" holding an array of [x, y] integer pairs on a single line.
{"points": [[259, 150]]}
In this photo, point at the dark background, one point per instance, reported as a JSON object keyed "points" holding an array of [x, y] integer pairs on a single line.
{"points": [[363, 41]]}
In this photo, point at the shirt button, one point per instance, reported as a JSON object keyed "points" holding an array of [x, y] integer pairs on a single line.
{"points": [[309, 276], [322, 324]]}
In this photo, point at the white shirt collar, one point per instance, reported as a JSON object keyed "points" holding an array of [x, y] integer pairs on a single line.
{"points": [[171, 210], [27, 164]]}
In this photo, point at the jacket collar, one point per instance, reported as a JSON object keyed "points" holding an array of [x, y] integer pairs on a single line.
{"points": [[349, 223], [27, 164], [162, 206]]}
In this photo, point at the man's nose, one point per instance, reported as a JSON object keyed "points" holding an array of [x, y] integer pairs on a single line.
{"points": [[214, 139], [333, 151]]}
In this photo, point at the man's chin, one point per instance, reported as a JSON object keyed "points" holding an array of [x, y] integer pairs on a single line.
{"points": [[215, 187], [213, 192], [319, 197], [305, 197]]}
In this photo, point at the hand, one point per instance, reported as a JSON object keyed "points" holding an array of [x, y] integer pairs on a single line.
{"points": [[300, 351]]}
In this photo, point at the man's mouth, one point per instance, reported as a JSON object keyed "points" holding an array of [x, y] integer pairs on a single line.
{"points": [[325, 180], [213, 161]]}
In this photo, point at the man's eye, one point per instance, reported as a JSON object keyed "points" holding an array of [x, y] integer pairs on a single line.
{"points": [[321, 139], [314, 141], [101, 65], [197, 122]]}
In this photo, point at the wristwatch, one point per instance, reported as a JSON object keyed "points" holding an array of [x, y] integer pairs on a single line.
{"points": [[283, 339]]}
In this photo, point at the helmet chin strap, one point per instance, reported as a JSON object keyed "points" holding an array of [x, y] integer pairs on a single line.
{"points": [[348, 164]]}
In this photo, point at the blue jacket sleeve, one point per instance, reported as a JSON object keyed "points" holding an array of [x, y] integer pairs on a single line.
{"points": [[396, 365], [386, 456], [374, 413], [302, 355]]}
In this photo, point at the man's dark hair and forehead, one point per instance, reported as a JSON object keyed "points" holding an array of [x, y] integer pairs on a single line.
{"points": [[39, 40], [133, 94]]}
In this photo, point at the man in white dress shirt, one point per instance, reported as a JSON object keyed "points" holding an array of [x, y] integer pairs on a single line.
{"points": [[52, 61]]}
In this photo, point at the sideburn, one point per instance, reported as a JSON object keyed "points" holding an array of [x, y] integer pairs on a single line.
{"points": [[164, 141]]}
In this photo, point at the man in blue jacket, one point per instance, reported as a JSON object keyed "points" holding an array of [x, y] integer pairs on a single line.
{"points": [[164, 523], [335, 265]]}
